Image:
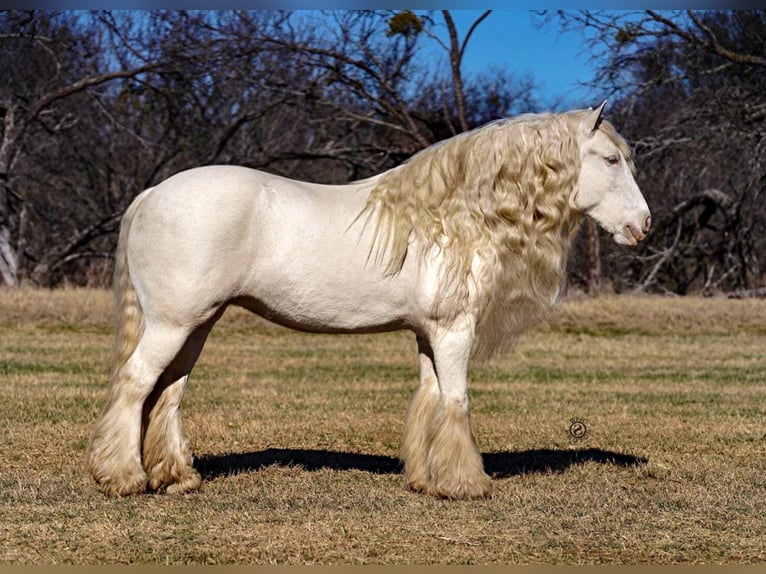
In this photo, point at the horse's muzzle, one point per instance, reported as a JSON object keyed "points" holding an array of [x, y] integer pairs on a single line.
{"points": [[633, 232]]}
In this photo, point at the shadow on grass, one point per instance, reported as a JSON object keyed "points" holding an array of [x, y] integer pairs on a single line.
{"points": [[214, 466], [497, 464], [506, 464]]}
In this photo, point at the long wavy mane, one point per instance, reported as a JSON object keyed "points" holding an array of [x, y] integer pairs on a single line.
{"points": [[498, 203]]}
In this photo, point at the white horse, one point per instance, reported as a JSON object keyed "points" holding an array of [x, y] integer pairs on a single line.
{"points": [[465, 244]]}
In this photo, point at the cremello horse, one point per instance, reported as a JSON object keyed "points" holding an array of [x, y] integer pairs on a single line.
{"points": [[465, 244]]}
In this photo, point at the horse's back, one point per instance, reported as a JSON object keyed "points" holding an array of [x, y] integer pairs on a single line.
{"points": [[290, 250]]}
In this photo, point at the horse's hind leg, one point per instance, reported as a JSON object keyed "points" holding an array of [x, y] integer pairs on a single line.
{"points": [[166, 456], [415, 441], [114, 453]]}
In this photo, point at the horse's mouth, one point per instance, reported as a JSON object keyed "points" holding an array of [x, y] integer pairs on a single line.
{"points": [[629, 235], [623, 239]]}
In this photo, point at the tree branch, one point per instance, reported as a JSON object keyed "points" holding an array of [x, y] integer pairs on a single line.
{"points": [[85, 83], [715, 45]]}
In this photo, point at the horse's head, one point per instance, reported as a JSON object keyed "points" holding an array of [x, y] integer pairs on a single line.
{"points": [[607, 191]]}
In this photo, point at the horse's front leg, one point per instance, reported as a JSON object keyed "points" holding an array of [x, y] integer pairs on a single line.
{"points": [[455, 466]]}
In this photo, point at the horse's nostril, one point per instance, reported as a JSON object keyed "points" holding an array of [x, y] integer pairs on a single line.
{"points": [[647, 223]]}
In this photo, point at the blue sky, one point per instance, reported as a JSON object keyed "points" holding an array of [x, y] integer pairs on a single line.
{"points": [[558, 61]]}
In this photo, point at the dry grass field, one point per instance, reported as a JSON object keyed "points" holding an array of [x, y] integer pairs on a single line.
{"points": [[297, 436]]}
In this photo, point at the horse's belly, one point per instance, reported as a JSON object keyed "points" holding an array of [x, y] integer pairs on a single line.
{"points": [[332, 297]]}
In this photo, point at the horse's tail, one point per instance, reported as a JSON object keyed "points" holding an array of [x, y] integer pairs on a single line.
{"points": [[129, 317]]}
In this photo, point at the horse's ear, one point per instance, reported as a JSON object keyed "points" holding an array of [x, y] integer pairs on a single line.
{"points": [[591, 121]]}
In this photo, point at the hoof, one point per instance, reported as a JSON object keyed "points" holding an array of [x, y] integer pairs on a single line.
{"points": [[175, 482], [479, 487], [417, 485], [192, 481], [134, 483], [416, 477]]}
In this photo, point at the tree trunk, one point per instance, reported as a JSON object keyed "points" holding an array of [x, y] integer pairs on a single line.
{"points": [[8, 262], [456, 52]]}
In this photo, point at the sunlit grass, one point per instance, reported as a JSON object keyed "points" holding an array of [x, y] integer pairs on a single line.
{"points": [[297, 437]]}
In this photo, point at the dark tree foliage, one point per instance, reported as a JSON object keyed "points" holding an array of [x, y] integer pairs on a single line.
{"points": [[99, 106]]}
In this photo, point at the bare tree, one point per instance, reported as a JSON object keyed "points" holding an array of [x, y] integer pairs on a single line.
{"points": [[96, 109], [99, 106], [365, 67], [456, 51], [43, 66]]}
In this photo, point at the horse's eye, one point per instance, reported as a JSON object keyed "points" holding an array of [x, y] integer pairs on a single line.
{"points": [[612, 159]]}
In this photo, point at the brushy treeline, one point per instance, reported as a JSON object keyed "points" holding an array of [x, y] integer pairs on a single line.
{"points": [[98, 106]]}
